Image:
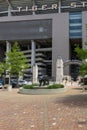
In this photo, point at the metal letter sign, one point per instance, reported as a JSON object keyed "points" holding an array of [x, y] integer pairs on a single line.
{"points": [[54, 6]]}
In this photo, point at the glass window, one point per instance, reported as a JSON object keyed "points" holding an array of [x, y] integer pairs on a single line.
{"points": [[75, 21], [75, 27]]}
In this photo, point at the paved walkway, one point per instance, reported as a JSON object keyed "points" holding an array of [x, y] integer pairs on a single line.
{"points": [[64, 111]]}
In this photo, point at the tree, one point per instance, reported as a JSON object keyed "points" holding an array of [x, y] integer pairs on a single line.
{"points": [[3, 67], [17, 61], [82, 54]]}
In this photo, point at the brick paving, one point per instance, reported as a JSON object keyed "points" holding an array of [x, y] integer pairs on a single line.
{"points": [[64, 111]]}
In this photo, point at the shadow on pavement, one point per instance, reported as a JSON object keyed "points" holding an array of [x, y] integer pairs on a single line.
{"points": [[73, 100]]}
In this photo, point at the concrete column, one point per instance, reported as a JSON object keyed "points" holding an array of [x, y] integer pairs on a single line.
{"points": [[33, 53], [33, 5], [9, 10], [35, 74], [9, 87], [59, 9], [59, 70], [8, 46]]}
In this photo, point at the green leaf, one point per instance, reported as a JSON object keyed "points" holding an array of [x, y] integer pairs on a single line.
{"points": [[16, 60]]}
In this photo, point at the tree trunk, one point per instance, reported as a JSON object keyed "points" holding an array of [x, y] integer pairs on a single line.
{"points": [[17, 80]]}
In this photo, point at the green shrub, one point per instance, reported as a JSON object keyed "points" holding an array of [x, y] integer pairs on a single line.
{"points": [[35, 84], [55, 86], [31, 86], [28, 86]]}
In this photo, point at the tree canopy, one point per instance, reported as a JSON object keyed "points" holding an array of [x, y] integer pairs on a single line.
{"points": [[82, 54], [3, 68], [16, 60]]}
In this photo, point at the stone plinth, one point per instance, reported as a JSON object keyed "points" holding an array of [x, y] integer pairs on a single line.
{"points": [[59, 70], [35, 74]]}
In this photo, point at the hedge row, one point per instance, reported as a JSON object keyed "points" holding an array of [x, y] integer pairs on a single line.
{"points": [[53, 86]]}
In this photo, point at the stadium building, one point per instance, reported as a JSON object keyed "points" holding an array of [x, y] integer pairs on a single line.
{"points": [[45, 29]]}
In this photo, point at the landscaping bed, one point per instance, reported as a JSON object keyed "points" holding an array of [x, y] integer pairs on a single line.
{"points": [[35, 90]]}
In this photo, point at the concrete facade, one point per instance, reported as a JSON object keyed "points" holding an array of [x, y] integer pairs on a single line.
{"points": [[57, 25], [60, 36], [84, 29], [60, 33]]}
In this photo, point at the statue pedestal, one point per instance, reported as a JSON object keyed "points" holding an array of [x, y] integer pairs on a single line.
{"points": [[9, 88], [35, 74], [59, 70], [7, 83]]}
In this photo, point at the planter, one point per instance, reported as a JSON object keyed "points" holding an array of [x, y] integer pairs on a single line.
{"points": [[41, 91]]}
